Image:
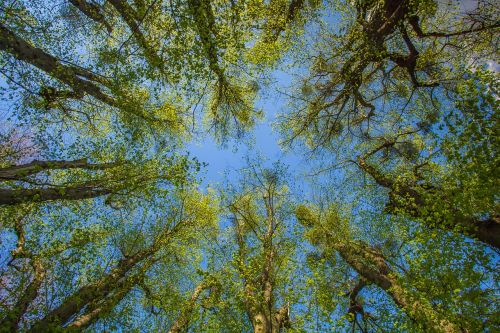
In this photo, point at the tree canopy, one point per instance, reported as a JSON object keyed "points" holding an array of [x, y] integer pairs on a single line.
{"points": [[390, 222]]}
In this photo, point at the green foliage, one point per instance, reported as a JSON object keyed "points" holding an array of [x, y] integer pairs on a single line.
{"points": [[105, 224]]}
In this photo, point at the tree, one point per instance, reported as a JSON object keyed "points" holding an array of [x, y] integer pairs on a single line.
{"points": [[84, 305], [455, 196], [388, 99], [118, 180], [184, 48], [327, 231], [378, 58], [257, 211], [107, 225], [182, 321]]}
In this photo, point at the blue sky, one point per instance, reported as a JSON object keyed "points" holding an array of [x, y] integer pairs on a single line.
{"points": [[263, 141]]}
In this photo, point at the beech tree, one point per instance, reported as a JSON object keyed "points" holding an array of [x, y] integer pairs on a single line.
{"points": [[179, 64], [370, 264], [395, 97], [455, 196]]}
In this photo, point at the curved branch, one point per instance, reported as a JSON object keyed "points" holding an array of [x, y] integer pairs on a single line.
{"points": [[354, 306], [410, 199], [414, 22], [369, 262]]}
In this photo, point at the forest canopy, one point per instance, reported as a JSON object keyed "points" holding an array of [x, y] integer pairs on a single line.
{"points": [[379, 211]]}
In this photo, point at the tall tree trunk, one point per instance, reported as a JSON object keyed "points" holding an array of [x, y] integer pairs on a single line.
{"points": [[182, 321], [10, 323], [70, 75], [17, 172], [487, 231], [259, 291], [110, 288], [92, 11], [372, 266], [85, 295], [79, 192], [261, 323], [100, 307]]}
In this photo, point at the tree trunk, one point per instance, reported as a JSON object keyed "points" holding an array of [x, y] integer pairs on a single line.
{"points": [[488, 231], [371, 265], [265, 322], [99, 308], [85, 295], [17, 172], [10, 323], [72, 76], [92, 11], [182, 321], [18, 196], [261, 323]]}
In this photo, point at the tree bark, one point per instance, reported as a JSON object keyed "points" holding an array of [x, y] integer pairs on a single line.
{"points": [[264, 321], [80, 80], [79, 192], [372, 266], [282, 318], [92, 11], [70, 75], [10, 323], [182, 321], [354, 306], [129, 15], [85, 295], [22, 50], [18, 172], [410, 200], [108, 288], [99, 308], [259, 301], [488, 231]]}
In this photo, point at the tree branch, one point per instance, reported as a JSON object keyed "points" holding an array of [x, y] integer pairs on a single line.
{"points": [[130, 17], [22, 50], [11, 320], [185, 315], [414, 22], [18, 172], [78, 192], [92, 11]]}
